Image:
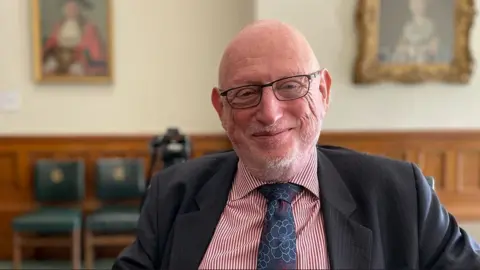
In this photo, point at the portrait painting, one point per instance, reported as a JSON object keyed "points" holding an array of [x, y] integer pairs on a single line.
{"points": [[414, 41], [72, 41]]}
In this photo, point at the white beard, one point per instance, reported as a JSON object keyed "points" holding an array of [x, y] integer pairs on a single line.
{"points": [[70, 34], [277, 168], [271, 169]]}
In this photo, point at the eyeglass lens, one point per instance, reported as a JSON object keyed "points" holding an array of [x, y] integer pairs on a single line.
{"points": [[285, 89]]}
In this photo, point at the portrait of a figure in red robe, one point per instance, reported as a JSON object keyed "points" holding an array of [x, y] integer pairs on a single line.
{"points": [[74, 38]]}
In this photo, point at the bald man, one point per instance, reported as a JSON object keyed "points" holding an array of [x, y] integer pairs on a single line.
{"points": [[279, 201]]}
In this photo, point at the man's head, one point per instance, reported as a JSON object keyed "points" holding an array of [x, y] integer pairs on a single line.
{"points": [[273, 129], [71, 9]]}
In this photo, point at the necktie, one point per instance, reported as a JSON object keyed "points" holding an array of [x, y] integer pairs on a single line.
{"points": [[278, 248]]}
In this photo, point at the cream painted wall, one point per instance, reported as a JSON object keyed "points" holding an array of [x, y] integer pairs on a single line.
{"points": [[329, 25], [166, 59]]}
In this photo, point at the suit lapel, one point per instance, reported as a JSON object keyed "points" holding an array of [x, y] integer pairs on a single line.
{"points": [[193, 230], [349, 243]]}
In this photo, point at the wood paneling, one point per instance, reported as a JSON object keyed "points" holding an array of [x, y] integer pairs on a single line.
{"points": [[18, 154], [453, 158]]}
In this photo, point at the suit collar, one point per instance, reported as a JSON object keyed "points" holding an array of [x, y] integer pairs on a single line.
{"points": [[220, 184], [349, 243], [193, 231], [332, 187]]}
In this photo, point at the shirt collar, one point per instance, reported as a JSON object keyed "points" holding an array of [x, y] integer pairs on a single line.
{"points": [[245, 182]]}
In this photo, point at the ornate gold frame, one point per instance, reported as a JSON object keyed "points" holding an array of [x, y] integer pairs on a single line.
{"points": [[369, 70], [37, 51]]}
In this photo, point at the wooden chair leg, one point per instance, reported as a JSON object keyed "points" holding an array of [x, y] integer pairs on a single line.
{"points": [[89, 250], [17, 251], [76, 249]]}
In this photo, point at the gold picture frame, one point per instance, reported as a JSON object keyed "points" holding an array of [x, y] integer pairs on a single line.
{"points": [[371, 65], [72, 41]]}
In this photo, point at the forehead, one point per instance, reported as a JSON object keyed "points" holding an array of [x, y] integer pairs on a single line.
{"points": [[71, 5], [263, 68], [264, 54]]}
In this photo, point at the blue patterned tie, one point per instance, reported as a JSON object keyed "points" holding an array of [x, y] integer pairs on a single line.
{"points": [[278, 247]]}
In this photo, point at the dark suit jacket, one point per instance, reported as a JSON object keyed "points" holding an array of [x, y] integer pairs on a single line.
{"points": [[379, 214]]}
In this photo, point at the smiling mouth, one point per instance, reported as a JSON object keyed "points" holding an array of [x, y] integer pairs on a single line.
{"points": [[271, 134]]}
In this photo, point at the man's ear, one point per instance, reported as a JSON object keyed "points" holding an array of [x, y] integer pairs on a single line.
{"points": [[325, 84], [217, 101]]}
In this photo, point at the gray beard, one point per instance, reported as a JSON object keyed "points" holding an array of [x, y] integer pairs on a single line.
{"points": [[277, 170]]}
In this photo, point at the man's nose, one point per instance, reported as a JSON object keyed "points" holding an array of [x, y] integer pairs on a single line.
{"points": [[269, 109]]}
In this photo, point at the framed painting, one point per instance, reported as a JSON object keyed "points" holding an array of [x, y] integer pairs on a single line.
{"points": [[72, 41], [414, 41]]}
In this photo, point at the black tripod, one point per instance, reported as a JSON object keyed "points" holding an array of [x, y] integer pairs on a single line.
{"points": [[173, 148]]}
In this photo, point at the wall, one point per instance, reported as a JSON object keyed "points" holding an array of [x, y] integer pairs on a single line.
{"points": [[329, 25], [166, 58], [166, 54], [177, 44], [166, 38]]}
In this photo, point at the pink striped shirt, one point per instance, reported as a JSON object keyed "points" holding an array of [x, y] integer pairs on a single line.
{"points": [[236, 239]]}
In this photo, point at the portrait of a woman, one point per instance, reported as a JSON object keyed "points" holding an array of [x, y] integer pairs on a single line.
{"points": [[420, 32]]}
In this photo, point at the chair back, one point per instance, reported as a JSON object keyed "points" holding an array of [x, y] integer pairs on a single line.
{"points": [[59, 181], [431, 181], [120, 178]]}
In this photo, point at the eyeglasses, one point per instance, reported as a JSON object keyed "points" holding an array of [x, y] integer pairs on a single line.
{"points": [[284, 89]]}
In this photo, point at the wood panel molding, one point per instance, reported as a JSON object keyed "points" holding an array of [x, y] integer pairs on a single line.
{"points": [[452, 157]]}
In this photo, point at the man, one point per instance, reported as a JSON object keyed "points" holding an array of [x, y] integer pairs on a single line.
{"points": [[280, 202], [74, 44]]}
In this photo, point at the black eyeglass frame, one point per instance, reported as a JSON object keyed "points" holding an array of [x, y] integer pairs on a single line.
{"points": [[309, 76]]}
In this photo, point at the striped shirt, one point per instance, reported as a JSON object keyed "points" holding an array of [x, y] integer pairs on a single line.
{"points": [[237, 236]]}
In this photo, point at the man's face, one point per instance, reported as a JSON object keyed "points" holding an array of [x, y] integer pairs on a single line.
{"points": [[71, 10], [274, 133]]}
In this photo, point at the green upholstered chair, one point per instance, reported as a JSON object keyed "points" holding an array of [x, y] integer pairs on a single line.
{"points": [[120, 183], [56, 184], [431, 181]]}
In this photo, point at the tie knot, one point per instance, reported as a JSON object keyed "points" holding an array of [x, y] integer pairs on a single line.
{"points": [[284, 191]]}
